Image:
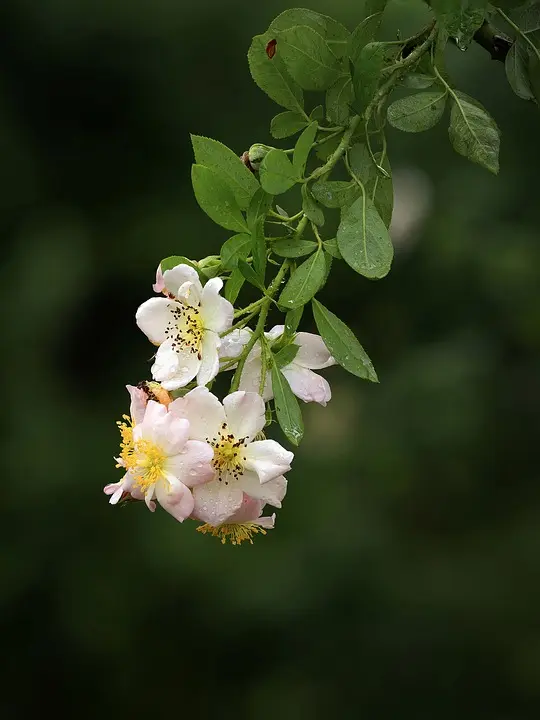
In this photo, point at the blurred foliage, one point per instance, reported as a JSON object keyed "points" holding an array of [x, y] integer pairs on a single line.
{"points": [[402, 577]]}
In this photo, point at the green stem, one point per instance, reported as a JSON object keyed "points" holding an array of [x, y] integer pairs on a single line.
{"points": [[519, 32], [249, 308], [240, 323], [259, 329]]}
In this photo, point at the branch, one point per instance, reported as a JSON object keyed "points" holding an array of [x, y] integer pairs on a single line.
{"points": [[497, 44]]}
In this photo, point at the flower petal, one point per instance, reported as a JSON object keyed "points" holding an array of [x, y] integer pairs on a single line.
{"points": [[249, 510], [250, 380], [153, 317], [177, 276], [268, 459], [138, 403], [306, 384], [209, 358], [159, 285], [190, 294], [203, 410], [275, 333], [233, 343], [271, 492], [312, 352], [216, 312], [215, 502], [175, 498], [192, 465], [267, 522], [245, 413], [174, 367]]}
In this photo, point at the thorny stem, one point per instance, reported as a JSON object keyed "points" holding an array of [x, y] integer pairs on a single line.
{"points": [[259, 329], [240, 323], [249, 308]]}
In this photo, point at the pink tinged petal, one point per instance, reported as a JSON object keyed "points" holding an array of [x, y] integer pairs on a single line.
{"points": [[192, 465], [268, 459], [148, 497], [210, 359], [155, 414], [250, 380], [177, 276], [174, 367], [245, 413], [312, 352], [203, 410], [267, 522], [215, 502], [190, 294], [159, 285], [171, 434], [233, 343], [153, 316], [175, 498], [249, 510], [307, 385], [216, 312], [115, 490], [138, 403], [271, 492]]}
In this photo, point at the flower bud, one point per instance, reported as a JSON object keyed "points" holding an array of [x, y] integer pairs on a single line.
{"points": [[257, 153]]}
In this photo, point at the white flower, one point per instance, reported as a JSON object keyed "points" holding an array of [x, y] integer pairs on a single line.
{"points": [[312, 355], [241, 465], [159, 459], [186, 327]]}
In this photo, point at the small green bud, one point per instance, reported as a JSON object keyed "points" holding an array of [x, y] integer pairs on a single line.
{"points": [[257, 153], [210, 266]]}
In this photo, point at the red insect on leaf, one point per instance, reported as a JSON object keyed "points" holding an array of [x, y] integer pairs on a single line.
{"points": [[271, 48]]}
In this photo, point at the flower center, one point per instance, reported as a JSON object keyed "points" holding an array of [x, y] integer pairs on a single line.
{"points": [[229, 455], [235, 533], [185, 328], [142, 458]]}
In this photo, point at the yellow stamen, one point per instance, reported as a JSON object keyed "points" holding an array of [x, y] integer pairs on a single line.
{"points": [[142, 458], [229, 455], [236, 533]]}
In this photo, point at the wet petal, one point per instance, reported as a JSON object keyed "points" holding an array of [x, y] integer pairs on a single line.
{"points": [[245, 413], [268, 459], [203, 410], [306, 384]]}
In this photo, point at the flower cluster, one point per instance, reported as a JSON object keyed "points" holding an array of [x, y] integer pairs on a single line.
{"points": [[183, 448]]}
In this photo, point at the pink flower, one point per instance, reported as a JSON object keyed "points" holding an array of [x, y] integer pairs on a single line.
{"points": [[159, 459], [243, 524]]}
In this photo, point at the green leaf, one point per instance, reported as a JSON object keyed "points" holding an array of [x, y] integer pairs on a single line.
{"points": [[302, 149], [292, 320], [292, 247], [259, 248], [233, 286], [288, 410], [460, 18], [225, 162], [216, 198], [250, 275], [363, 34], [367, 73], [335, 34], [317, 113], [335, 193], [473, 132], [304, 282], [363, 239], [517, 70], [328, 260], [362, 163], [173, 260], [236, 247], [419, 112], [260, 203], [342, 343], [277, 173], [272, 77], [332, 249], [418, 81], [534, 76], [286, 355], [310, 207], [378, 187], [339, 97], [286, 124], [308, 57]]}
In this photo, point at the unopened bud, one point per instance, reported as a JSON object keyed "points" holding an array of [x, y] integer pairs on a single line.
{"points": [[257, 153], [210, 266]]}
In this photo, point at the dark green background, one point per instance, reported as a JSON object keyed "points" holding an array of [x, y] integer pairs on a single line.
{"points": [[402, 579]]}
